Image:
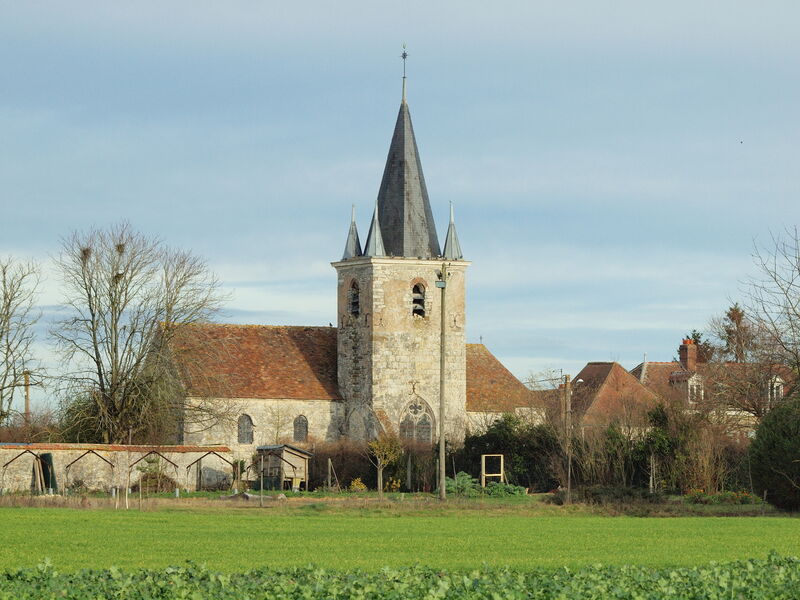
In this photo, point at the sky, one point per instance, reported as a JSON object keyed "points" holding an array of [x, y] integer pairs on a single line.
{"points": [[611, 164]]}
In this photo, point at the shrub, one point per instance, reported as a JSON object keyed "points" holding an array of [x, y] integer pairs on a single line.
{"points": [[700, 497], [773, 456], [356, 485], [529, 451], [462, 485], [497, 488]]}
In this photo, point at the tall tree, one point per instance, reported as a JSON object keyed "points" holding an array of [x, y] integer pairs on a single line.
{"points": [[126, 298], [19, 282], [737, 334]]}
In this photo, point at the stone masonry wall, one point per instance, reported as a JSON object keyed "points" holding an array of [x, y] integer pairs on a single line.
{"points": [[389, 357], [273, 422], [91, 472]]}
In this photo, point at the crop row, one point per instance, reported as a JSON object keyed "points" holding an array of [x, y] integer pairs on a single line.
{"points": [[775, 577]]}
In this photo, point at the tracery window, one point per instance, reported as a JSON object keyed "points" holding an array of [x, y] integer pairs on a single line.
{"points": [[417, 423], [354, 300], [418, 300], [300, 429], [245, 429]]}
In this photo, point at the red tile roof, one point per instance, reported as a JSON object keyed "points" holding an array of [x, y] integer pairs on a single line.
{"points": [[261, 361], [606, 392], [264, 361], [490, 386]]}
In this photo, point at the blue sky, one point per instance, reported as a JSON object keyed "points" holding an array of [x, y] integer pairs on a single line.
{"points": [[611, 164]]}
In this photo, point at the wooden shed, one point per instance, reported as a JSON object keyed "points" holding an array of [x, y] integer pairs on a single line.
{"points": [[283, 464]]}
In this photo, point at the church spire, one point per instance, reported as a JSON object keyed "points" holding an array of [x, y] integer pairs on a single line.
{"points": [[452, 249], [374, 245], [352, 247], [406, 220]]}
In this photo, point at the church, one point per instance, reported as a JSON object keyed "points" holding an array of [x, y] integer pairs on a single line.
{"points": [[378, 369]]}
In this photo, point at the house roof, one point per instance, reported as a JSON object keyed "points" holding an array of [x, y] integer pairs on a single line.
{"points": [[262, 361], [605, 392], [660, 377], [490, 386]]}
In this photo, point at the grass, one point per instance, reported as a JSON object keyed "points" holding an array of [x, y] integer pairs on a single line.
{"points": [[235, 537]]}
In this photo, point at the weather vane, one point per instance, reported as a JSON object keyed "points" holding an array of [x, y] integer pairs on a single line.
{"points": [[404, 56]]}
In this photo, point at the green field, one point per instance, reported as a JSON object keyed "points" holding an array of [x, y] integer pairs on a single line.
{"points": [[238, 539]]}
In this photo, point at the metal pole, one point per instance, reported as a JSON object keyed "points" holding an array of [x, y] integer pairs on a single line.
{"points": [[568, 392], [442, 285]]}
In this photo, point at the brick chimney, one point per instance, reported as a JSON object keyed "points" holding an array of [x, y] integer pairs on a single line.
{"points": [[687, 353]]}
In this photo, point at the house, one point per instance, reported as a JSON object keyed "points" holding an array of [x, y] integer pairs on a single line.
{"points": [[604, 393], [739, 393]]}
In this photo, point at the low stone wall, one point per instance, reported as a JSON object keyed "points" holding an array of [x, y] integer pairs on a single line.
{"points": [[103, 467]]}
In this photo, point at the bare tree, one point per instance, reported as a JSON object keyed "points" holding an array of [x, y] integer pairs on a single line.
{"points": [[773, 299], [18, 316], [131, 305]]}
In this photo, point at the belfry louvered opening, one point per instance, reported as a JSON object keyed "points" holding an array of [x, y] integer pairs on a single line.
{"points": [[418, 300], [354, 300]]}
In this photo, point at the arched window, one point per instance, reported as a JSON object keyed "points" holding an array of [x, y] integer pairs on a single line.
{"points": [[353, 300], [417, 423], [418, 300], [300, 429], [245, 427]]}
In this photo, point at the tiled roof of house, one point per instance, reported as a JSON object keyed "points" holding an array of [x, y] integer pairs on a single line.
{"points": [[604, 392], [261, 361], [660, 377], [490, 386]]}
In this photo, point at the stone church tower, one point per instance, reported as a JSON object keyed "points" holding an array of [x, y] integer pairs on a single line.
{"points": [[389, 309]]}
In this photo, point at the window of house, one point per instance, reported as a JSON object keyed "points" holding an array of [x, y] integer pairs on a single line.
{"points": [[695, 392], [245, 429], [300, 429], [417, 423], [418, 300], [354, 300], [775, 391]]}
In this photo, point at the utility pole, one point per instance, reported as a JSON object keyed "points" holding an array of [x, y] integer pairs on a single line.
{"points": [[442, 285], [27, 375], [568, 402]]}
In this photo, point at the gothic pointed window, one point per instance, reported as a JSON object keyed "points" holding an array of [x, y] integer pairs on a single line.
{"points": [[300, 429], [418, 300], [353, 300], [245, 429], [417, 422]]}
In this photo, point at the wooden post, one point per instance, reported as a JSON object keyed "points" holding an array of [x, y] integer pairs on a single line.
{"points": [[328, 479], [27, 375], [261, 479]]}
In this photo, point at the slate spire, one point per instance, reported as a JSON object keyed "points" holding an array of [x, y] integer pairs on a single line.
{"points": [[452, 249], [352, 247], [406, 220], [374, 245]]}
